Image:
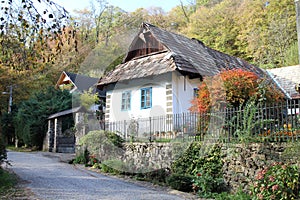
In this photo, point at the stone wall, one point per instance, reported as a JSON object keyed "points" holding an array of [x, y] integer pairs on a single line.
{"points": [[149, 156], [241, 162]]}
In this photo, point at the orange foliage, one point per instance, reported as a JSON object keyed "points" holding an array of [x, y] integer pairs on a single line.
{"points": [[238, 87], [201, 103]]}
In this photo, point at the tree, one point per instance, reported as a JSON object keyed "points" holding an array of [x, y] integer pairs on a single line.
{"points": [[179, 17], [30, 121], [31, 39], [216, 26], [102, 6], [266, 30], [256, 30], [23, 26], [88, 99], [84, 19], [291, 56]]}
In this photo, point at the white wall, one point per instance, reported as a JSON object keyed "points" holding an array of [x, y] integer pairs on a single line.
{"points": [[182, 89], [158, 108], [183, 92]]}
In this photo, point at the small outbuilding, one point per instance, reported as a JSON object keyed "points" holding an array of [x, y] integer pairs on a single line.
{"points": [[61, 135]]}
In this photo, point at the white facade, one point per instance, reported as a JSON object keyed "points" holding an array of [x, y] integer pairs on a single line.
{"points": [[171, 94], [183, 92]]}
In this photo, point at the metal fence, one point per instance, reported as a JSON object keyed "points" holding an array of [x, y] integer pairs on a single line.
{"points": [[279, 121]]}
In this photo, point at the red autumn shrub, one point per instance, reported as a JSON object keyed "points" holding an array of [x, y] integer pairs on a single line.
{"points": [[239, 87]]}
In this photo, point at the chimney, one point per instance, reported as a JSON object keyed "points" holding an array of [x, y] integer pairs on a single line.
{"points": [[297, 3]]}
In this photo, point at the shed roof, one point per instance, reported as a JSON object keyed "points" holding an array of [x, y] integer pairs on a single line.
{"points": [[179, 53], [287, 78], [67, 112]]}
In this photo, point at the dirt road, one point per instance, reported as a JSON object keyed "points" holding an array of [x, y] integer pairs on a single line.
{"points": [[48, 178]]}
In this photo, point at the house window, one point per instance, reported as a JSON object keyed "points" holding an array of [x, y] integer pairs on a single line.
{"points": [[126, 101], [196, 92], [146, 98]]}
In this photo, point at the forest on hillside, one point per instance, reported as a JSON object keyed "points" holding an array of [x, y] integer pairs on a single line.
{"points": [[38, 43]]}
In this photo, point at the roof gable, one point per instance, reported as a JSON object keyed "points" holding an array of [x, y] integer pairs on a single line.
{"points": [[188, 56], [143, 44], [80, 82]]}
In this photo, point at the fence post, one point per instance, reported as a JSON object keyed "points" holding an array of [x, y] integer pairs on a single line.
{"points": [[125, 131], [150, 138]]}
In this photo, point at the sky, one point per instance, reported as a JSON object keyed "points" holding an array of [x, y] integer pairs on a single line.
{"points": [[127, 5]]}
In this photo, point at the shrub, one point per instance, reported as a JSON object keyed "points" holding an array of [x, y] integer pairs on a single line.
{"points": [[236, 86], [208, 173], [82, 158], [114, 138], [7, 180], [185, 163], [113, 166], [104, 145], [240, 195], [207, 184], [180, 182], [198, 160], [278, 181], [92, 160], [157, 176]]}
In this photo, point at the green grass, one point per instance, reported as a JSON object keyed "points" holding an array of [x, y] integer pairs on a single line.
{"points": [[7, 181], [9, 188], [20, 149]]}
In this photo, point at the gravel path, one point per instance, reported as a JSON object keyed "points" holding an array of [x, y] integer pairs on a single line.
{"points": [[50, 179]]}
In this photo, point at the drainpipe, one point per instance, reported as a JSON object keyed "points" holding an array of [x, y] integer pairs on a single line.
{"points": [[297, 3]]}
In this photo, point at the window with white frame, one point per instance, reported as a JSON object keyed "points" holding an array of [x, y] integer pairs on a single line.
{"points": [[126, 101], [146, 98]]}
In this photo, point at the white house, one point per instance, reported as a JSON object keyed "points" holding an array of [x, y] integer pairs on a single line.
{"points": [[288, 80], [160, 74]]}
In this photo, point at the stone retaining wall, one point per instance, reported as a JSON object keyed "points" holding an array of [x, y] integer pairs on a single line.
{"points": [[241, 162], [149, 156]]}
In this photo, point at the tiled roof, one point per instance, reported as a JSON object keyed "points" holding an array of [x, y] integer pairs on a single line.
{"points": [[193, 56], [182, 54], [146, 66], [287, 78]]}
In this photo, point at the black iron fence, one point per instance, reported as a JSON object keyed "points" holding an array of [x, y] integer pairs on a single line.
{"points": [[279, 121]]}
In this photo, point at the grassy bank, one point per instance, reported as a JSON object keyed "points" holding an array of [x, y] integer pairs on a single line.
{"points": [[8, 181], [9, 188]]}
